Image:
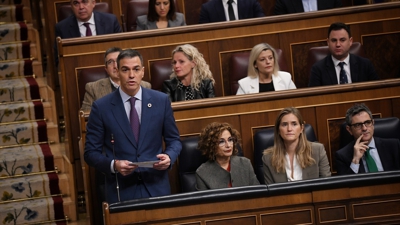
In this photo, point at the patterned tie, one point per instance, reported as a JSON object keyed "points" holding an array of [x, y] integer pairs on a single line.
{"points": [[88, 30], [134, 119], [343, 76], [230, 11], [370, 161]]}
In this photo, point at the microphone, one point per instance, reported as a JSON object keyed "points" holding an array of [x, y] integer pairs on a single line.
{"points": [[116, 175]]}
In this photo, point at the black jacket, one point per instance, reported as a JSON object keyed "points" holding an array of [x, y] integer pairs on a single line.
{"points": [[170, 87]]}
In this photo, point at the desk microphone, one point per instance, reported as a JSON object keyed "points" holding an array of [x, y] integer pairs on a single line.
{"points": [[115, 164]]}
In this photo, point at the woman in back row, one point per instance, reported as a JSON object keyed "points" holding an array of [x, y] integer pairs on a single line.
{"points": [[263, 72], [191, 77], [161, 14]]}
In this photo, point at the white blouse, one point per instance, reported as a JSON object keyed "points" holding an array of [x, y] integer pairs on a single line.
{"points": [[297, 170]]}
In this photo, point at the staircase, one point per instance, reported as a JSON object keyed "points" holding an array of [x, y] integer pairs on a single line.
{"points": [[36, 179]]}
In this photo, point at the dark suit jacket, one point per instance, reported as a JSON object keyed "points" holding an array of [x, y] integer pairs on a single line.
{"points": [[210, 175], [319, 169], [105, 23], [213, 11], [388, 150], [108, 117], [323, 72], [144, 24], [296, 6]]}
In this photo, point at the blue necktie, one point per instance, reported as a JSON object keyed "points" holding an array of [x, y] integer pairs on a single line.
{"points": [[343, 75], [134, 119]]}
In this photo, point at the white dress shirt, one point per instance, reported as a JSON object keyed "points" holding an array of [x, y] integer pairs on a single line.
{"points": [[82, 28], [346, 68], [310, 5], [234, 6], [297, 170]]}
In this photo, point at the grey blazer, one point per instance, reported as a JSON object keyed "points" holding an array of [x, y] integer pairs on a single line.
{"points": [[98, 89], [319, 169], [210, 175], [144, 24]]}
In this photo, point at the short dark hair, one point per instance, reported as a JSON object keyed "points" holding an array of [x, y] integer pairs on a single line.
{"points": [[111, 50], [129, 53], [356, 109], [339, 26], [152, 13]]}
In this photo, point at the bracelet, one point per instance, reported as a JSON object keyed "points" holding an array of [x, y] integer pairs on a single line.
{"points": [[115, 166]]}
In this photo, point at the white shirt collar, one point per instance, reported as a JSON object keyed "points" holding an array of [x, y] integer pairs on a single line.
{"points": [[346, 60], [90, 21], [125, 97]]}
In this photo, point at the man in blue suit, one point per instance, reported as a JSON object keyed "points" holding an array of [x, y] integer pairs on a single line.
{"points": [[341, 67], [109, 130], [217, 10], [75, 25]]}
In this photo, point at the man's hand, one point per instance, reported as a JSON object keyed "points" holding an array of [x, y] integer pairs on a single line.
{"points": [[164, 162], [124, 167], [359, 149]]}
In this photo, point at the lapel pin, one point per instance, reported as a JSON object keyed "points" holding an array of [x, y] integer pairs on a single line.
{"points": [[149, 105]]}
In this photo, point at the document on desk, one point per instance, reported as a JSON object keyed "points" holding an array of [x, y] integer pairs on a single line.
{"points": [[148, 164]]}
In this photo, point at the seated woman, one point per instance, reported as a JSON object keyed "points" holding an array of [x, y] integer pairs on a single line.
{"points": [[293, 157], [191, 77], [223, 169], [161, 14], [263, 72]]}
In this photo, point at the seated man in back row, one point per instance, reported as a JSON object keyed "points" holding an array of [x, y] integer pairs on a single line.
{"points": [[102, 87], [366, 153], [299, 6], [341, 67], [228, 10]]}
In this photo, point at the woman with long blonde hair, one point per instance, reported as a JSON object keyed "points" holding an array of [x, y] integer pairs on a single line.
{"points": [[293, 157], [191, 77]]}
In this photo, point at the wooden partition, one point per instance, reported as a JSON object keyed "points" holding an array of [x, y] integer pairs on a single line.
{"points": [[359, 199]]}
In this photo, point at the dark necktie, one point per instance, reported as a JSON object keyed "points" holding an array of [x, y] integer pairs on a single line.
{"points": [[343, 75], [134, 119], [88, 30], [230, 11], [370, 162]]}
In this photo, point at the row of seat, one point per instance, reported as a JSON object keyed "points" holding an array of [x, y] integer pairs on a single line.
{"points": [[191, 158], [161, 70]]}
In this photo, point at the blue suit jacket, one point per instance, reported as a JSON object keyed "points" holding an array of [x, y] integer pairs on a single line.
{"points": [[107, 118], [388, 150], [105, 23], [296, 6], [213, 11], [323, 72]]}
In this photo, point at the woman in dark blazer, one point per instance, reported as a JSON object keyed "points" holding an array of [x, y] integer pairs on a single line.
{"points": [[161, 14], [293, 157], [223, 169], [191, 77]]}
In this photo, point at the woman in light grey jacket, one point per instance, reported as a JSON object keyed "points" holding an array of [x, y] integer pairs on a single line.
{"points": [[223, 169], [161, 14]]}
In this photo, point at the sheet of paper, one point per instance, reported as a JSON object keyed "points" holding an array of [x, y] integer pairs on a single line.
{"points": [[148, 164]]}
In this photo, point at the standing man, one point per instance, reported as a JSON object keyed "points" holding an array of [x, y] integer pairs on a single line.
{"points": [[228, 10], [299, 6], [102, 87], [366, 153], [131, 124], [341, 67]]}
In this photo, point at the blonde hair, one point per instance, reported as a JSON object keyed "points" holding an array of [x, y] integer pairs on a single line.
{"points": [[201, 69], [303, 149], [252, 71]]}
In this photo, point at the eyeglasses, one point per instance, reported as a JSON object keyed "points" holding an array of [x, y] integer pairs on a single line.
{"points": [[367, 123], [222, 142], [110, 61]]}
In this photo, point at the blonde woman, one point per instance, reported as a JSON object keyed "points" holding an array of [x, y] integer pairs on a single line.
{"points": [[293, 157], [263, 72], [191, 77]]}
